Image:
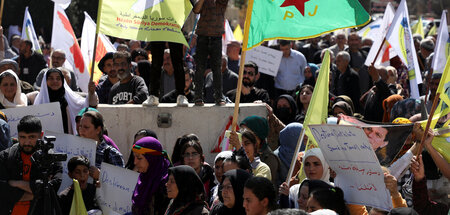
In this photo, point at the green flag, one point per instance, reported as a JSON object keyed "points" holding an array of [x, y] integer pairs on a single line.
{"points": [[145, 20], [299, 19]]}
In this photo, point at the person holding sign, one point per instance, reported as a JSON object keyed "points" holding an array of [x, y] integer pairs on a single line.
{"points": [[11, 95], [152, 162], [55, 89], [186, 190]]}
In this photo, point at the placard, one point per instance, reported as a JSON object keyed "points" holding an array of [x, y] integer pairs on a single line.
{"points": [[72, 146], [116, 189], [49, 114], [267, 59], [349, 153]]}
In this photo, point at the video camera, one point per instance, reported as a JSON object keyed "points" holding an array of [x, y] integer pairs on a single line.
{"points": [[44, 156]]}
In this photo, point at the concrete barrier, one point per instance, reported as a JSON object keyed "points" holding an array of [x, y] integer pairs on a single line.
{"points": [[123, 121]]}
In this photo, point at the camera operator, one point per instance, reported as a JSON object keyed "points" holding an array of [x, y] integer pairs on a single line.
{"points": [[18, 187]]}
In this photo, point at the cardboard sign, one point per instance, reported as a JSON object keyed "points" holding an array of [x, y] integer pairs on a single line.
{"points": [[116, 189], [267, 59], [49, 114], [349, 153], [72, 146]]}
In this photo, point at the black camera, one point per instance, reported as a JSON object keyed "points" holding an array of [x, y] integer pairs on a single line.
{"points": [[44, 157]]}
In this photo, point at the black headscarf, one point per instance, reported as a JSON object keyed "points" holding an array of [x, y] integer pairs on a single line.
{"points": [[237, 177], [282, 113], [190, 188], [58, 96]]}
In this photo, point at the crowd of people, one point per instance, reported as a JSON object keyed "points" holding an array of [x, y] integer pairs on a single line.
{"points": [[252, 178]]}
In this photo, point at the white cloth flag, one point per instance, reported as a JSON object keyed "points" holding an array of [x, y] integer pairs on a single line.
{"points": [[63, 3], [64, 38], [442, 49], [87, 45], [227, 37], [388, 16], [400, 38], [28, 32], [372, 30]]}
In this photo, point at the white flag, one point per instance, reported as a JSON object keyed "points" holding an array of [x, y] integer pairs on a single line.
{"points": [[372, 30], [64, 38], [63, 3], [400, 38], [384, 27], [28, 32], [442, 49], [227, 37], [87, 45]]}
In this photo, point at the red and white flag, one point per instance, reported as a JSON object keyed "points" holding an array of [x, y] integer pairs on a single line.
{"points": [[64, 38], [87, 45], [227, 36]]}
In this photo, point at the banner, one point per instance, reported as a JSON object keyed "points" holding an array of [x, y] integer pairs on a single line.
{"points": [[28, 32], [64, 38], [72, 146], [116, 189], [267, 59], [87, 46], [145, 20], [49, 114], [387, 140], [358, 173]]}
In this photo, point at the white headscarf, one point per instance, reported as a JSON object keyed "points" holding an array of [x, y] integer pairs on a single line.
{"points": [[318, 153], [74, 101], [20, 99]]}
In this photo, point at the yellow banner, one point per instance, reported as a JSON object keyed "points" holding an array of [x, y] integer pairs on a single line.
{"points": [[145, 20]]}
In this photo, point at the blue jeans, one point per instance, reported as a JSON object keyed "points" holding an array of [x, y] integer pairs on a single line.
{"points": [[212, 47]]}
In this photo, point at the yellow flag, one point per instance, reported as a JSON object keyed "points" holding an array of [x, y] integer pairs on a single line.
{"points": [[444, 89], [432, 31], [238, 35], [77, 207], [318, 110], [418, 28]]}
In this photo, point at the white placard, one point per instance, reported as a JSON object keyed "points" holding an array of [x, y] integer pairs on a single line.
{"points": [[116, 189], [72, 146], [349, 153], [49, 114], [267, 59]]}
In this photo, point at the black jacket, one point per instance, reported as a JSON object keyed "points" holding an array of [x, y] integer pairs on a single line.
{"points": [[11, 168]]}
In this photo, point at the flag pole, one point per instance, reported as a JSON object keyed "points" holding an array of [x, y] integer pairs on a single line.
{"points": [[241, 66], [294, 157], [430, 117], [379, 50], [99, 13], [1, 10], [192, 35]]}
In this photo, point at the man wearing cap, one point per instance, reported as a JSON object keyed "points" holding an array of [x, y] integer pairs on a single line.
{"points": [[12, 65], [260, 127], [108, 79], [58, 58]]}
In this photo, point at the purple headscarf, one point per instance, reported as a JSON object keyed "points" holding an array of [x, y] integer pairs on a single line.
{"points": [[156, 176]]}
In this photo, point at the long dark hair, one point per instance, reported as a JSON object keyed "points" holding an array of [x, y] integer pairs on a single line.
{"points": [[332, 198], [97, 121]]}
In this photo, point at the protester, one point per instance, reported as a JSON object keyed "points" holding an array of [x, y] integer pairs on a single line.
{"points": [[229, 81], [18, 178], [131, 89], [238, 160], [55, 89], [291, 71], [177, 155], [6, 64], [259, 196], [303, 99], [10, 93], [332, 198], [30, 62], [310, 74], [78, 168], [250, 146], [152, 162], [5, 139], [345, 82], [58, 57], [288, 142], [232, 189], [341, 107], [172, 96], [193, 156], [218, 173], [186, 190], [108, 79], [139, 135]]}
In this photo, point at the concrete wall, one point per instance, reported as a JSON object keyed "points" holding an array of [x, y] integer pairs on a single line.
{"points": [[207, 122]]}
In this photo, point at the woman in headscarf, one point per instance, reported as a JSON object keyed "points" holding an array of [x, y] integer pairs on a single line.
{"points": [[232, 189], [139, 135], [288, 141], [285, 109], [151, 161], [405, 108], [55, 89], [250, 146], [218, 174], [341, 107], [388, 104], [11, 95], [186, 190], [310, 74]]}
